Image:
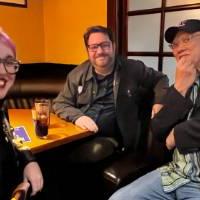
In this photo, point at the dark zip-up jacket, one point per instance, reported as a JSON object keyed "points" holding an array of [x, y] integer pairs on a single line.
{"points": [[135, 87], [12, 162]]}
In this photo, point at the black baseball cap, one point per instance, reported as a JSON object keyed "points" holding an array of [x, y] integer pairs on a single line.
{"points": [[188, 26]]}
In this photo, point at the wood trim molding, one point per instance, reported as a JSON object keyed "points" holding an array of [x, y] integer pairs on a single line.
{"points": [[14, 3]]}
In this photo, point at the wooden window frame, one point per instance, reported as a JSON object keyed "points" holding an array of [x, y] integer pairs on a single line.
{"points": [[117, 20]]}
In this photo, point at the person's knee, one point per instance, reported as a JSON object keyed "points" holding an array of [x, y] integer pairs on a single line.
{"points": [[132, 193], [139, 189]]}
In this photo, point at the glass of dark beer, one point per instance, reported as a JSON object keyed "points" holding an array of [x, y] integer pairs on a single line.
{"points": [[42, 117]]}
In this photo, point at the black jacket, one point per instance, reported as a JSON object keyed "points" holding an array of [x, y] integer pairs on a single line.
{"points": [[12, 162], [139, 88], [174, 115]]}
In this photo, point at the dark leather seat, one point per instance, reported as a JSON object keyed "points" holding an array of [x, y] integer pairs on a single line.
{"points": [[130, 165]]}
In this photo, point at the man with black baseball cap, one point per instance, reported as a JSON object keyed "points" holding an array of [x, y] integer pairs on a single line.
{"points": [[188, 26], [177, 124]]}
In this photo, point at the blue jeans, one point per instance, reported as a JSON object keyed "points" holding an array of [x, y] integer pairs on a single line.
{"points": [[149, 187]]}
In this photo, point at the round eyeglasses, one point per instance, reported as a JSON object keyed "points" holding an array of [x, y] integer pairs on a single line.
{"points": [[184, 41], [11, 65], [104, 46]]}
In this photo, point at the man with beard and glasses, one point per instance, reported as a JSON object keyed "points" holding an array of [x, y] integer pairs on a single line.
{"points": [[104, 95]]}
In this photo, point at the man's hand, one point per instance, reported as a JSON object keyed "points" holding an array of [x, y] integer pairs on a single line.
{"points": [[155, 109], [186, 73], [86, 122], [33, 174], [170, 141], [20, 191]]}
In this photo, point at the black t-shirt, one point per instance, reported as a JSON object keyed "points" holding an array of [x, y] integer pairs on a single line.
{"points": [[102, 108]]}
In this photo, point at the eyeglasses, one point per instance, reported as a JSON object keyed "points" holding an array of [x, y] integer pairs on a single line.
{"points": [[104, 46], [184, 41], [11, 65]]}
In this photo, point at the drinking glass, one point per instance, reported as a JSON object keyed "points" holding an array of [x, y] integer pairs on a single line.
{"points": [[42, 117]]}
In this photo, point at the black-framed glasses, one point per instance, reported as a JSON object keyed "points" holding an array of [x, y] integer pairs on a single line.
{"points": [[11, 65], [184, 41], [104, 46]]}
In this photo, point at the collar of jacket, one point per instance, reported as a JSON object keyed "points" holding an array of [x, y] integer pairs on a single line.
{"points": [[89, 74]]}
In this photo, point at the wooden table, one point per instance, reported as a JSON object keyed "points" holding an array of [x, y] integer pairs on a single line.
{"points": [[60, 132]]}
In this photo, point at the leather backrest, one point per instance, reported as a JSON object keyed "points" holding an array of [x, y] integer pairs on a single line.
{"points": [[39, 80]]}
